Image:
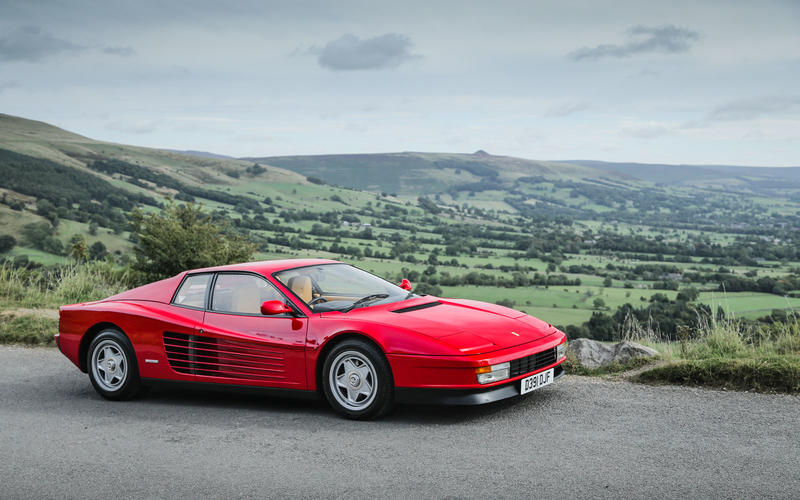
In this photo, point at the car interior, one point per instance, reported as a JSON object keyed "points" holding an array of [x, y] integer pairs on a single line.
{"points": [[242, 294]]}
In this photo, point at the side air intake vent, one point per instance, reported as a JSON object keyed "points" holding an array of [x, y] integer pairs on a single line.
{"points": [[200, 355], [418, 307]]}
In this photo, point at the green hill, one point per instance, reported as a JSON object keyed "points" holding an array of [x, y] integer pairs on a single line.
{"points": [[50, 175], [560, 240], [41, 140], [428, 173], [697, 175]]}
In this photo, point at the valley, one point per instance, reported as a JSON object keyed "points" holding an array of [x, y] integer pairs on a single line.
{"points": [[570, 242]]}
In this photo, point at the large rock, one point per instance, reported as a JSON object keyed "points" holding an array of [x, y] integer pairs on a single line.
{"points": [[590, 352], [626, 351], [593, 354]]}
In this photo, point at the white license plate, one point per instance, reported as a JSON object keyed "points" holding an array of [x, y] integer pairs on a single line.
{"points": [[536, 381]]}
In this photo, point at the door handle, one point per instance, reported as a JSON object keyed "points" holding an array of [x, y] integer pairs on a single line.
{"points": [[200, 331]]}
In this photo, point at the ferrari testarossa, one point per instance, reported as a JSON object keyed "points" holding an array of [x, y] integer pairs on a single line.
{"points": [[310, 328]]}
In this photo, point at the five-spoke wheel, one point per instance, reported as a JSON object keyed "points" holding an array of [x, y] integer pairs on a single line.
{"points": [[353, 380], [111, 364], [357, 380]]}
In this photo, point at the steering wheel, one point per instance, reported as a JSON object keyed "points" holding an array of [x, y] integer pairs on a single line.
{"points": [[318, 300]]}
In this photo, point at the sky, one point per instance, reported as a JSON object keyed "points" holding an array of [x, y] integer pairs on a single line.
{"points": [[691, 82]]}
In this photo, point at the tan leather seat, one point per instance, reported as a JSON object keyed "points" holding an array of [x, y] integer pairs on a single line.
{"points": [[246, 296], [301, 286]]}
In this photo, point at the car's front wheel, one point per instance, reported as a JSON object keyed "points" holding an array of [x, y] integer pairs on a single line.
{"points": [[112, 368], [357, 380]]}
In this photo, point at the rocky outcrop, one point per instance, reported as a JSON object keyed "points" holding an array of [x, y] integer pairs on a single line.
{"points": [[593, 354]]}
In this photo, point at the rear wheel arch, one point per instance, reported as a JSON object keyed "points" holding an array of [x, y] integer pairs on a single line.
{"points": [[87, 338]]}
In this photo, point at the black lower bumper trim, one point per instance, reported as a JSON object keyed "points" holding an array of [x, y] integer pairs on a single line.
{"points": [[462, 397]]}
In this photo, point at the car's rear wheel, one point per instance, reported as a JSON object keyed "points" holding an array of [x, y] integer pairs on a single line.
{"points": [[111, 364], [357, 380]]}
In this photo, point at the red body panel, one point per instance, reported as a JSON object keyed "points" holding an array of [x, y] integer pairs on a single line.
{"points": [[277, 344], [433, 347]]}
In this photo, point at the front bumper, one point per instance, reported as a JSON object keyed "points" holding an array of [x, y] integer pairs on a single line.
{"points": [[463, 397]]}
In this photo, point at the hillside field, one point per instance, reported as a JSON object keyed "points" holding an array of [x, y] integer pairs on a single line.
{"points": [[557, 240]]}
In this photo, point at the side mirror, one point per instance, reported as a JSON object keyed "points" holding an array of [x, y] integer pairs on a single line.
{"points": [[273, 307], [405, 285]]}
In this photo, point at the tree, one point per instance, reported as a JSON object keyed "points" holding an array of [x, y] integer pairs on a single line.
{"points": [[7, 242], [428, 205], [599, 303], [182, 237], [40, 235], [689, 294], [607, 282], [97, 251], [77, 248]]}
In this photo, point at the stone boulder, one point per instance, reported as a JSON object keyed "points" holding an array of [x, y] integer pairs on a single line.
{"points": [[593, 354], [626, 351]]}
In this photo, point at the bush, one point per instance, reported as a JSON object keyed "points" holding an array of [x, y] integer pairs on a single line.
{"points": [[7, 242], [182, 237], [423, 288]]}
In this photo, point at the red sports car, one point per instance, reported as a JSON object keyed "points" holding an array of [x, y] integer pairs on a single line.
{"points": [[310, 328]]}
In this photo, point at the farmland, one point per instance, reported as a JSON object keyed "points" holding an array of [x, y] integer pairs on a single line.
{"points": [[562, 241]]}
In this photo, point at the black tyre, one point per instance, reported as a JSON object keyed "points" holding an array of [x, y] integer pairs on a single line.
{"points": [[357, 380], [111, 363]]}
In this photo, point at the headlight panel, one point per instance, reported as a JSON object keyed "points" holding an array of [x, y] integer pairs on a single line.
{"points": [[494, 373], [561, 351]]}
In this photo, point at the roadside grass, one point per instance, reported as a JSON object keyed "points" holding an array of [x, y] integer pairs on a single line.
{"points": [[730, 354], [50, 288], [763, 374], [27, 329], [28, 297]]}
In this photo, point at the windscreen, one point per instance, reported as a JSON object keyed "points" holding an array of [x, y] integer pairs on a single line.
{"points": [[339, 287]]}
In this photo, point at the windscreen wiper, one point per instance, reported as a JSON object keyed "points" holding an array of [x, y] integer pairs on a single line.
{"points": [[364, 300]]}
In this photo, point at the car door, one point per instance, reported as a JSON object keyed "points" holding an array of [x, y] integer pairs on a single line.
{"points": [[243, 346]]}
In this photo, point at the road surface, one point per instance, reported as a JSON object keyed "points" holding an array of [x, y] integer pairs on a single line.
{"points": [[579, 438]]}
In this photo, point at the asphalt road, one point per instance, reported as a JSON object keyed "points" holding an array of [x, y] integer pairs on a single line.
{"points": [[579, 438]]}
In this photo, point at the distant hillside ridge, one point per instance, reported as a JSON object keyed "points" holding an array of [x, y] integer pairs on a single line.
{"points": [[684, 174], [428, 173]]}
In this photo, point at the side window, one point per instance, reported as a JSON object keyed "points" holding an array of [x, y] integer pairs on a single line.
{"points": [[193, 291], [242, 293]]}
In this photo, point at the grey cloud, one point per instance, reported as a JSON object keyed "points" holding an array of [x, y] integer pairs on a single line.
{"points": [[119, 51], [31, 43], [8, 84], [668, 39], [349, 52], [566, 109], [749, 109]]}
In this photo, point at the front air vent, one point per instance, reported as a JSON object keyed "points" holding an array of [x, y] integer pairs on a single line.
{"points": [[417, 307], [214, 357]]}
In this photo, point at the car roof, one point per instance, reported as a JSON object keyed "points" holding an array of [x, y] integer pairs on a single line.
{"points": [[267, 267]]}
